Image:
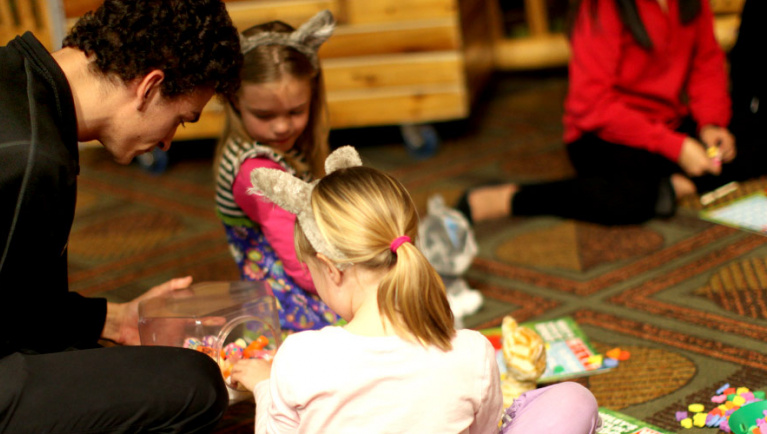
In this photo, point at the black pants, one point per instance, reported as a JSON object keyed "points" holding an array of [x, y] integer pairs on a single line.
{"points": [[617, 184], [111, 390], [620, 185]]}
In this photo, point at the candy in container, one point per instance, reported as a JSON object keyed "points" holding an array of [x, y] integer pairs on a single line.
{"points": [[228, 321]]}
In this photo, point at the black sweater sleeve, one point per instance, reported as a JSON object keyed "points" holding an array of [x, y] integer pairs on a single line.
{"points": [[38, 183]]}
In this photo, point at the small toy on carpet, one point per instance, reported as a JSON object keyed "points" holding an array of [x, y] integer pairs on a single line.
{"points": [[524, 352], [612, 358]]}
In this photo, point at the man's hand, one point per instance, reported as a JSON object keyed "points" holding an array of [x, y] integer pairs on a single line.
{"points": [[121, 325], [250, 372], [721, 139], [694, 160]]}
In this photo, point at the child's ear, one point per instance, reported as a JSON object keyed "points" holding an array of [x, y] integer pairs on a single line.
{"points": [[329, 268]]}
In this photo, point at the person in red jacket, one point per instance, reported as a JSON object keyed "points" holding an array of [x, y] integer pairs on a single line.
{"points": [[646, 117]]}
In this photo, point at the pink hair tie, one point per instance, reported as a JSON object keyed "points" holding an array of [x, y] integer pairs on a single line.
{"points": [[398, 242]]}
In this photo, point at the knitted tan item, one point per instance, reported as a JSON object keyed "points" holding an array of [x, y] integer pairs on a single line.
{"points": [[294, 195], [525, 355]]}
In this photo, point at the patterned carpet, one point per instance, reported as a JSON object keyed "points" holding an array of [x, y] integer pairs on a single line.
{"points": [[686, 297]]}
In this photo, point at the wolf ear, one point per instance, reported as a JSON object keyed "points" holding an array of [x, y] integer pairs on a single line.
{"points": [[316, 31], [294, 196], [282, 188], [341, 158]]}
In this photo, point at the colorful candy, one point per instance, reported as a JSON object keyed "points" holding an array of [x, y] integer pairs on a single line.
{"points": [[192, 343], [728, 400], [259, 348]]}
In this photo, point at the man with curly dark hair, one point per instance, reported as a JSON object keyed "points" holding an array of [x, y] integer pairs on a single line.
{"points": [[128, 75]]}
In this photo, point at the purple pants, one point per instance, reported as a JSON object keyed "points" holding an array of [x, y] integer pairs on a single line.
{"points": [[563, 407]]}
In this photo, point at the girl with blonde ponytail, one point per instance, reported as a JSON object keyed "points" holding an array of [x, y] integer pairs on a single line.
{"points": [[371, 219], [398, 364]]}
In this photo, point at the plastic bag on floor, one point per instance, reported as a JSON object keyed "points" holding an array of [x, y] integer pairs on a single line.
{"points": [[447, 240]]}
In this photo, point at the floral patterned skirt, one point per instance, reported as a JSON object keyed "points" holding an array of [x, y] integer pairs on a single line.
{"points": [[298, 308]]}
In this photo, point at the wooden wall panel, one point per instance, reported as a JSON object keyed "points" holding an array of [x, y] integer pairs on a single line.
{"points": [[19, 16], [414, 37], [727, 6], [8, 28], [77, 8], [532, 53], [388, 11], [397, 106], [444, 67]]}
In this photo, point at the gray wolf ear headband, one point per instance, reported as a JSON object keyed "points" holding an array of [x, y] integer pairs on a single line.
{"points": [[306, 39], [295, 195]]}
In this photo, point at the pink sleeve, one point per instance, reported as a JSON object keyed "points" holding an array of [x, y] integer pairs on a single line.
{"points": [[276, 223], [707, 88], [491, 402], [592, 102]]}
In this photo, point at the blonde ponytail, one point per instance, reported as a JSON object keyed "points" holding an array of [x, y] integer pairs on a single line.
{"points": [[412, 297], [360, 211]]}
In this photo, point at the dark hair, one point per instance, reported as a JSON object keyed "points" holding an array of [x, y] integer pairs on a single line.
{"points": [[629, 14], [192, 41]]}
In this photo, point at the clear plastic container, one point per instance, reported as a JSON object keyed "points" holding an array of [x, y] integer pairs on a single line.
{"points": [[226, 320]]}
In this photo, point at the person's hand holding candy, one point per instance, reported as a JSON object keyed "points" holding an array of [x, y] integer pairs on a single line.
{"points": [[720, 140], [249, 372]]}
